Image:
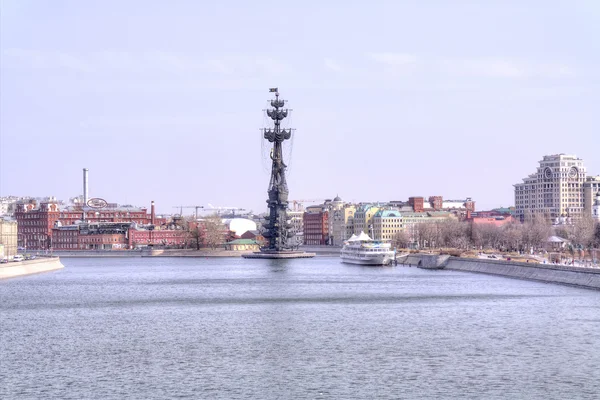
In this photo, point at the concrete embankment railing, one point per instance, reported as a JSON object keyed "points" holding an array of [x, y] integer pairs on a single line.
{"points": [[151, 253], [15, 269], [322, 251], [427, 261], [574, 276], [98, 253], [194, 253]]}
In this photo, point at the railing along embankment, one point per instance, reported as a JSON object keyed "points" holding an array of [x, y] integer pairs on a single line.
{"points": [[565, 275], [28, 267]]}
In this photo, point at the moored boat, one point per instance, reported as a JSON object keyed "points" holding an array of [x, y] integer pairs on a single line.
{"points": [[363, 250]]}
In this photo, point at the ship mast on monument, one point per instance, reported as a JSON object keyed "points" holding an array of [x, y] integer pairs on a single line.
{"points": [[277, 228]]}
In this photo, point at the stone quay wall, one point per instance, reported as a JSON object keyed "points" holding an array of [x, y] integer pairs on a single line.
{"points": [[573, 276], [28, 267], [194, 253], [151, 253], [96, 253], [426, 261]]}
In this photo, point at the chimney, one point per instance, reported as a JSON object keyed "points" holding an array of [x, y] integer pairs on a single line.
{"points": [[85, 186], [152, 214]]}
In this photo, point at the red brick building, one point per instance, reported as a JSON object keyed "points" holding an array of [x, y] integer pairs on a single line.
{"points": [[254, 235], [470, 207], [417, 203], [103, 241], [65, 238], [436, 202], [114, 236], [145, 237], [35, 223], [316, 226], [111, 213]]}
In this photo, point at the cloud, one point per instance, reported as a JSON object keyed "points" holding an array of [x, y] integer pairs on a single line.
{"points": [[268, 64], [218, 66], [332, 65], [393, 59], [111, 61], [505, 68], [556, 71], [484, 67]]}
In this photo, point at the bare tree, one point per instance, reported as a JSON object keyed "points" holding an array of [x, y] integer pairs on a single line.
{"points": [[454, 233], [563, 232], [512, 236], [488, 236], [214, 231], [426, 234], [583, 231], [401, 240], [197, 236], [536, 232]]}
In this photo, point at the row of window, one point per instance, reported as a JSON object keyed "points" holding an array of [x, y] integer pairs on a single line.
{"points": [[65, 233], [37, 223], [98, 240]]}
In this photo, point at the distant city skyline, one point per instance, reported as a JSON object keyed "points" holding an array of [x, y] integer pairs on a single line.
{"points": [[393, 100]]}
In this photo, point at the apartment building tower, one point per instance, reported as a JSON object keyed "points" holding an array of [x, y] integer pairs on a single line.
{"points": [[554, 190]]}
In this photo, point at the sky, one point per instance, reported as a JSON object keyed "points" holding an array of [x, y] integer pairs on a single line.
{"points": [[164, 100]]}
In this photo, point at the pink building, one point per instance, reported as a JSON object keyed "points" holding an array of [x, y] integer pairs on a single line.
{"points": [[498, 220]]}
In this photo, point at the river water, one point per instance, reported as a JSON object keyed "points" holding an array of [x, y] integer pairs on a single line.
{"points": [[158, 328]]}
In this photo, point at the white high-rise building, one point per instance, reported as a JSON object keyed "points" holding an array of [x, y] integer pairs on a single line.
{"points": [[555, 190], [591, 187], [596, 207]]}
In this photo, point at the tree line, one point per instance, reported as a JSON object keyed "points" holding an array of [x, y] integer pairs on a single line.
{"points": [[584, 233], [210, 232]]}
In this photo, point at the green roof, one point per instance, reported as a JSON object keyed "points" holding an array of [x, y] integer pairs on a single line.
{"points": [[387, 214], [504, 210], [243, 241]]}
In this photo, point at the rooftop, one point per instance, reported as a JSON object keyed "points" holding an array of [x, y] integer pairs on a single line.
{"points": [[243, 241], [387, 214]]}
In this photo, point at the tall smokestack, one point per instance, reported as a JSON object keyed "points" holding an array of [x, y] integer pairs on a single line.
{"points": [[85, 186], [152, 214]]}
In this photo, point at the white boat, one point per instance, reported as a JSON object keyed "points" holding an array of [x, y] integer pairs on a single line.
{"points": [[363, 250]]}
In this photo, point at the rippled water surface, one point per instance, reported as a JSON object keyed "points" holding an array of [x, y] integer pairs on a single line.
{"points": [[298, 329]]}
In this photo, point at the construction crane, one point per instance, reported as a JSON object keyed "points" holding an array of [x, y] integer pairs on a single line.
{"points": [[182, 207], [219, 210], [296, 202]]}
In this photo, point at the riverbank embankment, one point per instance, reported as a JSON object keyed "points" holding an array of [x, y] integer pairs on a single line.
{"points": [[426, 261], [29, 267], [561, 274], [149, 253], [320, 251]]}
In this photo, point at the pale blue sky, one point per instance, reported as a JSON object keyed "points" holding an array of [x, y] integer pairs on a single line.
{"points": [[162, 100]]}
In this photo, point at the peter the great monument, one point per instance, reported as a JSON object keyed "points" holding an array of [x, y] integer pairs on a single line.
{"points": [[277, 228]]}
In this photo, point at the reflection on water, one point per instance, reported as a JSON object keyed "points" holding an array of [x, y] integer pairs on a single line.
{"points": [[297, 329]]}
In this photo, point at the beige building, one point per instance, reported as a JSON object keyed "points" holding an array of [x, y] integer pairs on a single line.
{"points": [[8, 237], [242, 245], [296, 218], [555, 190], [341, 217], [411, 220], [386, 224], [363, 218]]}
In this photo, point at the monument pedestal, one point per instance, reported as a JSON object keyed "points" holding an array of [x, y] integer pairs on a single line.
{"points": [[279, 254]]}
